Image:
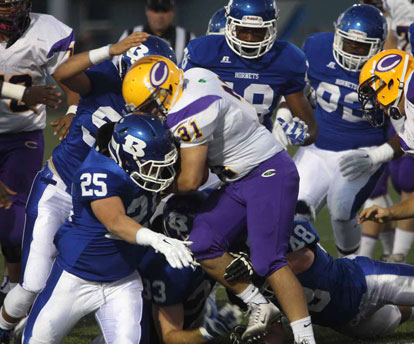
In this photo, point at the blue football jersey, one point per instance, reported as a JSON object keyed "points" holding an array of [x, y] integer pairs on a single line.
{"points": [[341, 124], [261, 81], [166, 286], [83, 249], [103, 104]]}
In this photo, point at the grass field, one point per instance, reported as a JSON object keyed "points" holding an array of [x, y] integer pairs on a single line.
{"points": [[87, 329]]}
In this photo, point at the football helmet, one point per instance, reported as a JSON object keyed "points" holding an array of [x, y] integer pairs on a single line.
{"points": [[258, 15], [14, 16], [217, 23], [179, 213], [152, 46], [362, 28], [144, 148], [153, 84], [382, 81]]}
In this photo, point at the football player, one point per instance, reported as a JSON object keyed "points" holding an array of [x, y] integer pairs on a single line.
{"points": [[219, 130], [399, 14], [182, 307], [356, 296], [257, 66], [114, 191], [50, 201], [349, 153], [32, 46]]}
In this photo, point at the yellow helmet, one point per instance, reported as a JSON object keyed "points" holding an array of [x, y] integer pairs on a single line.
{"points": [[382, 81], [153, 82]]}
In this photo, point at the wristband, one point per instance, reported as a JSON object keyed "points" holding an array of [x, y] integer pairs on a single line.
{"points": [[99, 55], [285, 114], [381, 154], [12, 91], [72, 109], [205, 334]]}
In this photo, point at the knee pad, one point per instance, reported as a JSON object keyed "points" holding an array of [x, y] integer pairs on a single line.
{"points": [[12, 254], [18, 302], [383, 201], [304, 211], [383, 322], [347, 236]]}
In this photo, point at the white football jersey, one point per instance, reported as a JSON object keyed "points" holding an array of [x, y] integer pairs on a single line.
{"points": [[45, 44], [209, 111], [401, 16], [406, 133]]}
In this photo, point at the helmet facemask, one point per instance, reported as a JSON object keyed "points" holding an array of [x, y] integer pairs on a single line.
{"points": [[14, 17], [367, 97], [250, 50], [353, 61], [150, 175]]}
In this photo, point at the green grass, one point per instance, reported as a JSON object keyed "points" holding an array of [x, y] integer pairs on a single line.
{"points": [[87, 329]]}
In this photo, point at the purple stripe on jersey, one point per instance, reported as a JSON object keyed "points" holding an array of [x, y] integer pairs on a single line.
{"points": [[190, 110], [62, 45], [404, 146]]}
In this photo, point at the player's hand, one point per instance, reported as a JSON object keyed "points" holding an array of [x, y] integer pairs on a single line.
{"points": [[376, 214], [355, 164], [5, 193], [47, 95], [62, 125], [218, 323], [175, 251], [239, 269], [236, 335], [132, 40], [296, 131]]}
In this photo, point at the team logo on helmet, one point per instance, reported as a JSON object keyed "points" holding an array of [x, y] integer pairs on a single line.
{"points": [[388, 63], [159, 74], [134, 146]]}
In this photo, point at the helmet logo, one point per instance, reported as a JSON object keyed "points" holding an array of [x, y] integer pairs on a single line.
{"points": [[134, 146], [388, 63], [159, 74], [135, 53]]}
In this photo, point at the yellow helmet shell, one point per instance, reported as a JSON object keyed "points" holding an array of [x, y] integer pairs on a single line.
{"points": [[388, 70], [153, 78]]}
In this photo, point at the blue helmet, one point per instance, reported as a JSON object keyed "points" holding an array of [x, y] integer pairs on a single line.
{"points": [[217, 23], [144, 148], [152, 46], [260, 15], [179, 213], [364, 25]]}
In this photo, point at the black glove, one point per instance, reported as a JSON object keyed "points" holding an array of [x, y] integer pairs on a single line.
{"points": [[239, 269]]}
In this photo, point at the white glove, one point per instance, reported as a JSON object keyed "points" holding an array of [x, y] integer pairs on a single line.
{"points": [[359, 161], [218, 323], [175, 251]]}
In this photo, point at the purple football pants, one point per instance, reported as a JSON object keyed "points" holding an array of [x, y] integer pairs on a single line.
{"points": [[263, 202], [21, 157]]}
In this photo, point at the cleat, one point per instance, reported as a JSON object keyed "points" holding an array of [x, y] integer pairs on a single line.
{"points": [[261, 316], [397, 258]]}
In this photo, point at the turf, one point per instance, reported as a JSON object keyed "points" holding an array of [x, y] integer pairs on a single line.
{"points": [[87, 329]]}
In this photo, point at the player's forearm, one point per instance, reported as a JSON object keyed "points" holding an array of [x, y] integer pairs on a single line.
{"points": [[187, 183], [72, 98], [184, 337], [403, 210], [394, 142], [124, 227], [73, 66]]}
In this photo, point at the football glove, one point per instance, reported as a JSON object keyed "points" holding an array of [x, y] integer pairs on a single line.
{"points": [[239, 269], [360, 161], [296, 131], [218, 323]]}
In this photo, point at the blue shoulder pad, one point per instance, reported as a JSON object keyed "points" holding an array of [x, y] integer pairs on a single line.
{"points": [[303, 235]]}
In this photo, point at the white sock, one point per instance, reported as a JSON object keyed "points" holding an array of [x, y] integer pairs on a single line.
{"points": [[252, 294], [402, 241], [387, 241], [368, 243], [302, 329], [5, 325]]}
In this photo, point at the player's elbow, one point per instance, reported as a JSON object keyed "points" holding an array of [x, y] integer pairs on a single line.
{"points": [[189, 183]]}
